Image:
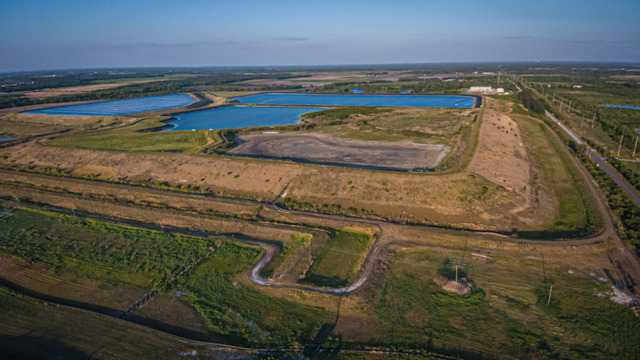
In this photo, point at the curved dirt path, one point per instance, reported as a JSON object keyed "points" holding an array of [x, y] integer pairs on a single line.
{"points": [[366, 269]]}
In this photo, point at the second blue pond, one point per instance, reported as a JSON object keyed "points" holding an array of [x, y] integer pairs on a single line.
{"points": [[232, 117], [454, 101], [120, 107]]}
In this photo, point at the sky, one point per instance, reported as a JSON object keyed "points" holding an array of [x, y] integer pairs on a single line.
{"points": [[69, 34]]}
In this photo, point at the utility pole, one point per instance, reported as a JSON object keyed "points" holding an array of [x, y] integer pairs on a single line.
{"points": [[561, 104], [620, 146], [593, 122], [582, 123], [549, 301], [554, 98], [569, 106], [498, 77], [634, 148]]}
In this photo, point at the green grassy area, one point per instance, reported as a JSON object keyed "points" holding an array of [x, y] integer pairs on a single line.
{"points": [[230, 94], [385, 124], [244, 315], [500, 318], [129, 138], [338, 263], [343, 113], [124, 255], [578, 211], [98, 250]]}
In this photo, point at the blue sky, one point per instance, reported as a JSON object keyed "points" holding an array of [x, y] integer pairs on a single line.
{"points": [[112, 33]]}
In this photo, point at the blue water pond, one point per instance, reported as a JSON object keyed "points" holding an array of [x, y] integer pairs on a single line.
{"points": [[357, 91], [453, 101], [233, 117], [622, 106], [120, 107]]}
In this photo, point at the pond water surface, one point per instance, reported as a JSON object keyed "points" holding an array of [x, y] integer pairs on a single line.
{"points": [[453, 101], [622, 107], [233, 117], [119, 107]]}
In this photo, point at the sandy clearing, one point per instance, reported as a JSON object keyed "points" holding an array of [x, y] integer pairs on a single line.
{"points": [[501, 157]]}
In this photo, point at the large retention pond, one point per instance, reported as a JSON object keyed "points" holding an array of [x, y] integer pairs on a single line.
{"points": [[232, 117], [120, 107], [453, 101], [622, 107]]}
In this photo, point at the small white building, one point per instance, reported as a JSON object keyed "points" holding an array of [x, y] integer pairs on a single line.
{"points": [[486, 90], [577, 86], [481, 89]]}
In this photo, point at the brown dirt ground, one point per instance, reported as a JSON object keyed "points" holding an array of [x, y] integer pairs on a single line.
{"points": [[501, 156]]}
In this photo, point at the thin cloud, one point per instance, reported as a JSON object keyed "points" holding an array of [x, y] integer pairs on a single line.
{"points": [[289, 38]]}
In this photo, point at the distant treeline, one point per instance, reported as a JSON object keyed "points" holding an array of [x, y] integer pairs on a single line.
{"points": [[612, 122], [415, 85], [36, 81], [217, 80], [631, 176], [531, 102]]}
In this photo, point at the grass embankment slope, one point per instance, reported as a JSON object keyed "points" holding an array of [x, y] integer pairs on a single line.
{"points": [[577, 211], [130, 138], [339, 261], [74, 249]]}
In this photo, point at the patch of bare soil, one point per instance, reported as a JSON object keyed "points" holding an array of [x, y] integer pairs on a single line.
{"points": [[461, 287], [328, 149], [501, 157]]}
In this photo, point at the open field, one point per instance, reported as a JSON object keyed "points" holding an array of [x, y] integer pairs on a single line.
{"points": [[27, 125], [326, 149], [130, 139], [339, 260], [95, 250]]}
